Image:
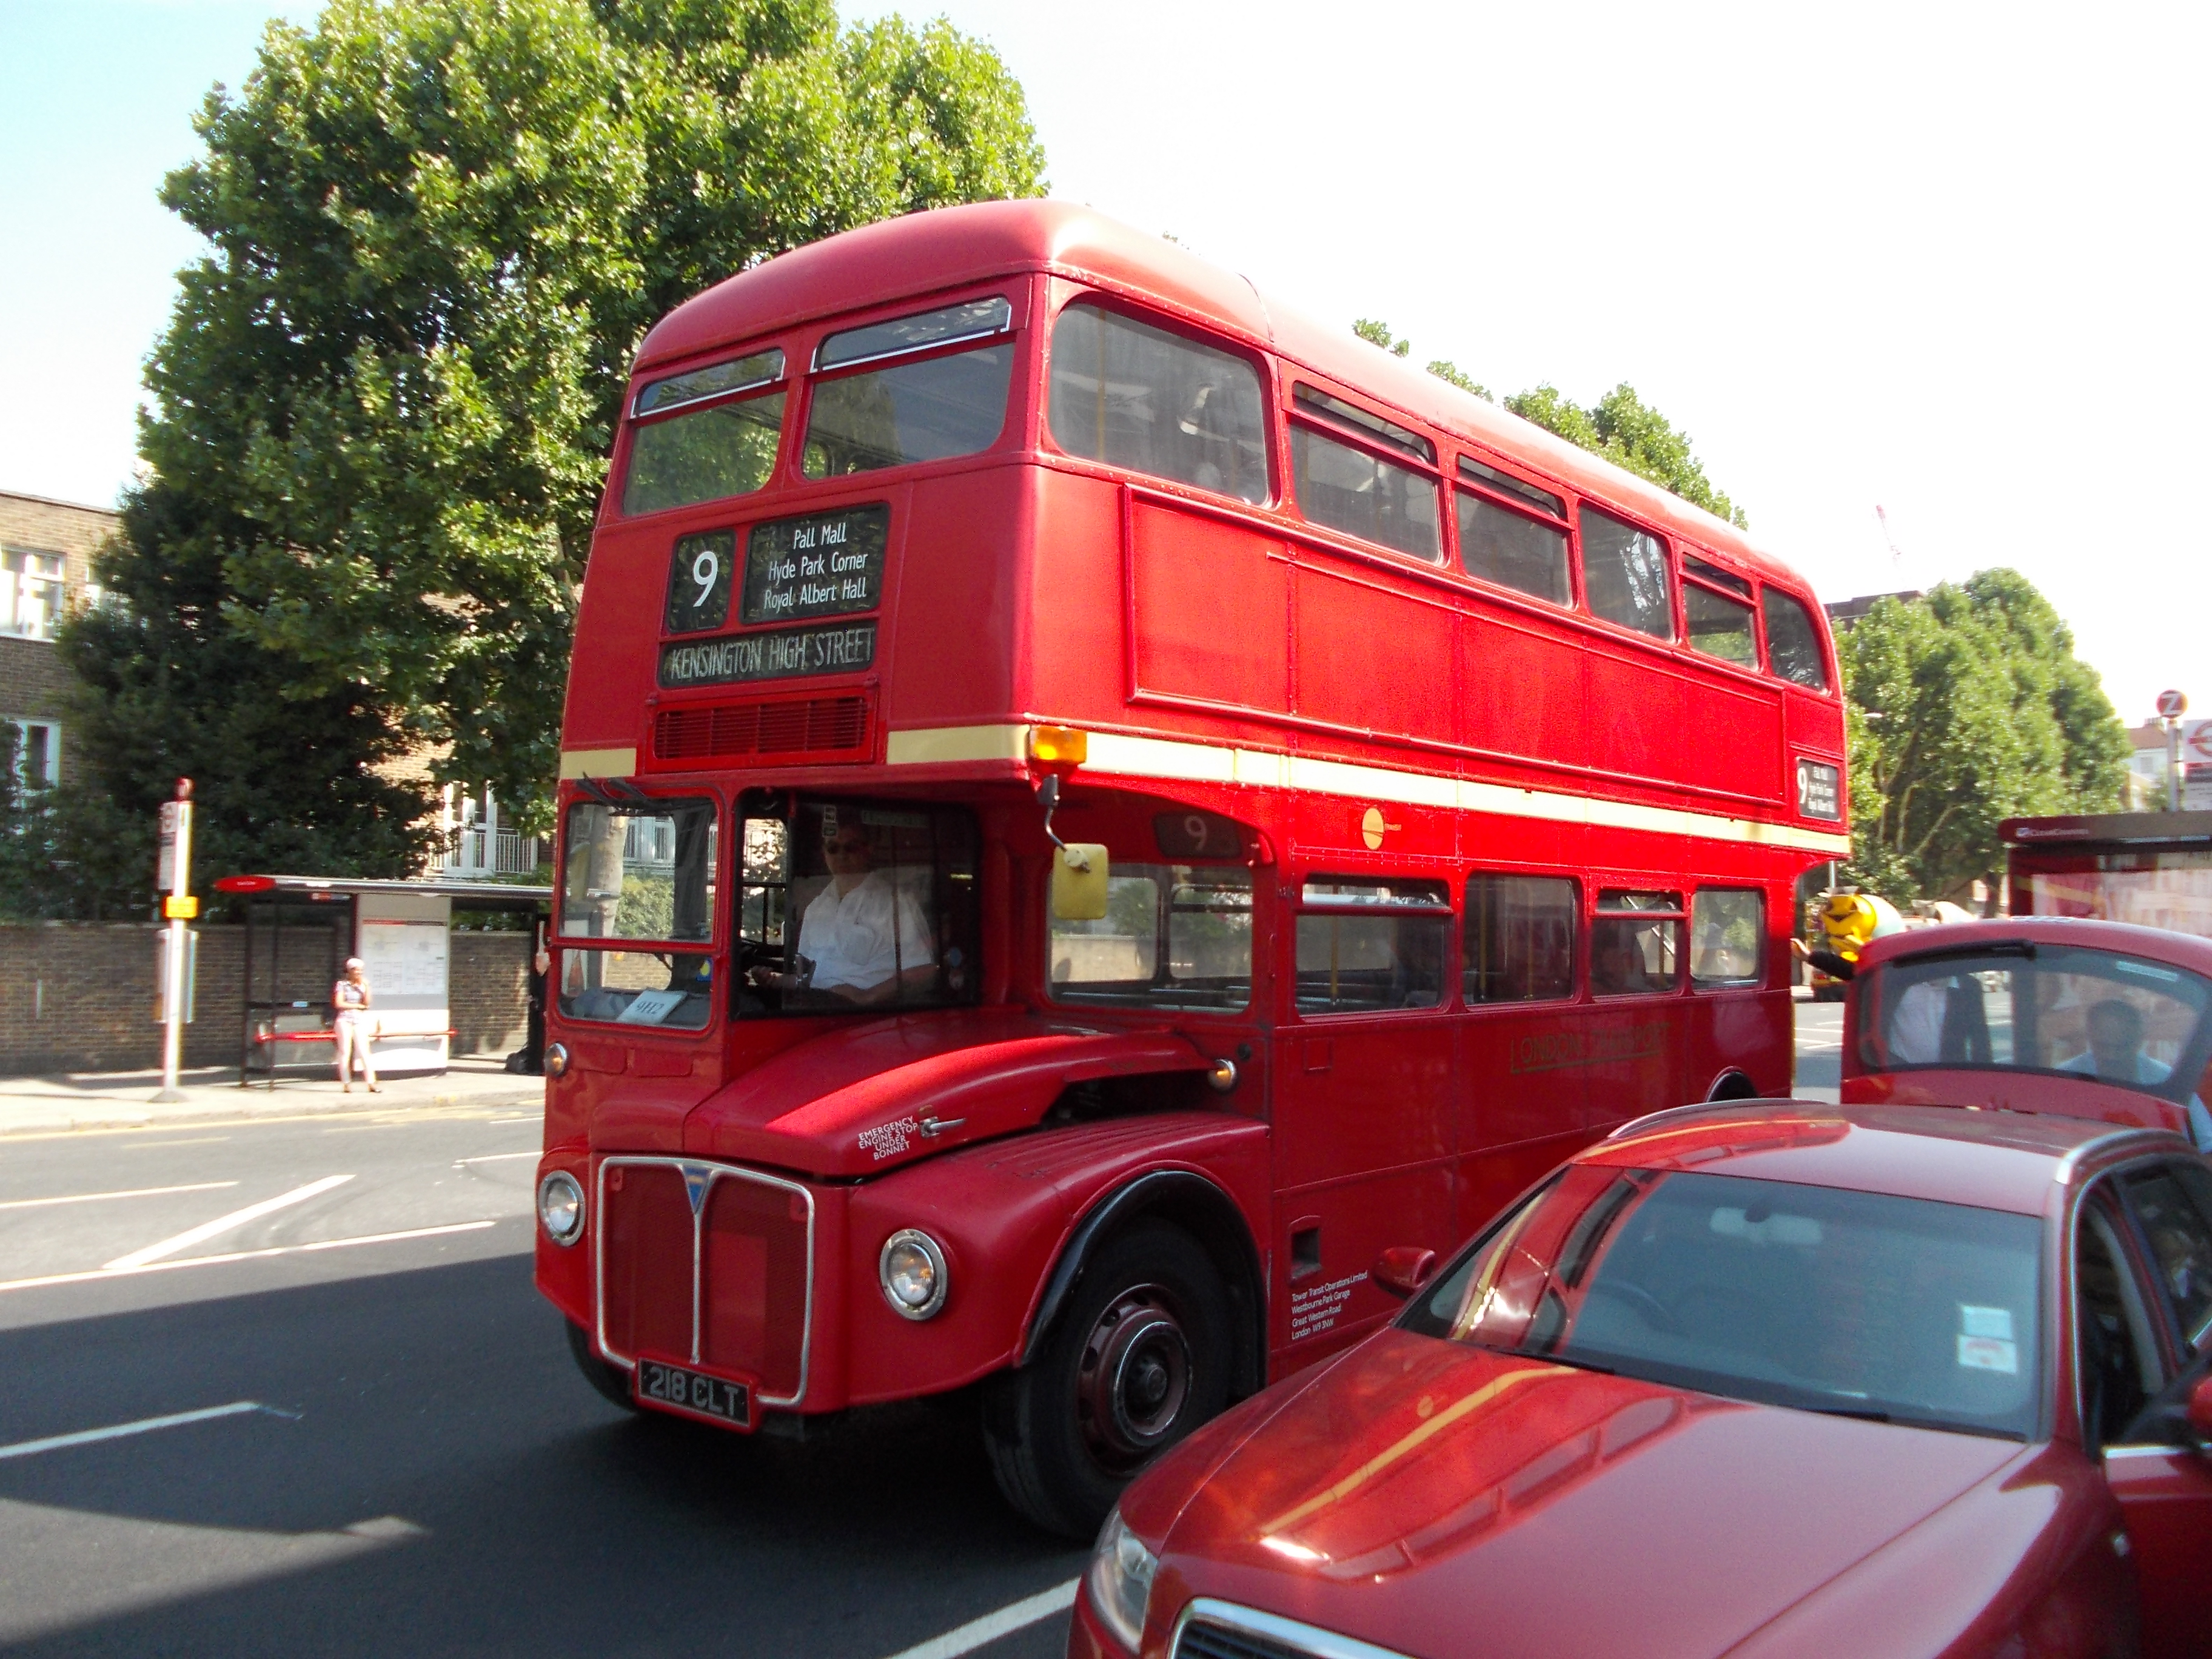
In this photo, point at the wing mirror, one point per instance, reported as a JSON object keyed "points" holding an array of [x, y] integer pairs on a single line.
{"points": [[2199, 1413], [1402, 1269]]}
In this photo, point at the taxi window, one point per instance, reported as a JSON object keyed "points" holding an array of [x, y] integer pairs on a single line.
{"points": [[2124, 1020]]}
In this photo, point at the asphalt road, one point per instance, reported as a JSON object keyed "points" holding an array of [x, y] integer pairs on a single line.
{"points": [[411, 1464], [421, 1471]]}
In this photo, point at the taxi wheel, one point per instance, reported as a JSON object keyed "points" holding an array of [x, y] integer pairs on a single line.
{"points": [[612, 1381], [1139, 1357]]}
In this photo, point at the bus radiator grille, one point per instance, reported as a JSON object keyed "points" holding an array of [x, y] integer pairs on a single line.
{"points": [[751, 1257], [753, 1302], [820, 728]]}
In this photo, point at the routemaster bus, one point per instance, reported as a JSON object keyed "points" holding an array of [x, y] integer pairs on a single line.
{"points": [[1092, 806]]}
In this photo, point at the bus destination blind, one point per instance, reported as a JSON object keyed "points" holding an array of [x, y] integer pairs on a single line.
{"points": [[785, 654], [826, 564]]}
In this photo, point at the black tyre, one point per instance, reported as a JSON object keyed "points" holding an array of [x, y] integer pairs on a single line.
{"points": [[612, 1381], [1139, 1357]]}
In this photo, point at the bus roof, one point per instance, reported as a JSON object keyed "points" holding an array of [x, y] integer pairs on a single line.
{"points": [[924, 252]]}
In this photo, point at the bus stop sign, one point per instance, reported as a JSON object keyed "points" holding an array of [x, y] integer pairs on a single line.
{"points": [[2172, 705]]}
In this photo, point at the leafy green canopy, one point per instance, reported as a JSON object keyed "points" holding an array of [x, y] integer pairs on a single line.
{"points": [[437, 230], [1968, 708], [1621, 426]]}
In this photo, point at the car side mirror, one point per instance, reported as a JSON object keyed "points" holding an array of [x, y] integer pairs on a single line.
{"points": [[1402, 1269], [2199, 1413]]}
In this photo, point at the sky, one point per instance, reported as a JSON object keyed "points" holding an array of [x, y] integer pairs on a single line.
{"points": [[1946, 260]]}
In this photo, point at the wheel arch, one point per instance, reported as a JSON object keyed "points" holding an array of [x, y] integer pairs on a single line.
{"points": [[1204, 1210], [1733, 1084]]}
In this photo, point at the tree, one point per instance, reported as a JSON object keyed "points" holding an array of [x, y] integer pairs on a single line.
{"points": [[437, 230], [1968, 708], [1628, 432], [1621, 426]]}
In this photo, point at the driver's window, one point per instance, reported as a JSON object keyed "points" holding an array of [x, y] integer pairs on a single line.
{"points": [[2121, 1368]]}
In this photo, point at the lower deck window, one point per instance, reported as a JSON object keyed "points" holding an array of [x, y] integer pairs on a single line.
{"points": [[1636, 943], [1519, 939], [637, 887], [1174, 936], [1726, 930], [1365, 946]]}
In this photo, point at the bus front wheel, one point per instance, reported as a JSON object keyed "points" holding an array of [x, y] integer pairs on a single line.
{"points": [[1139, 1359]]}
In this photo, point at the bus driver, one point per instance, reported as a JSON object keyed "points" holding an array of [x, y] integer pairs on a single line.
{"points": [[862, 938]]}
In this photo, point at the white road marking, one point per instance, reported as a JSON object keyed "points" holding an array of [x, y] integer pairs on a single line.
{"points": [[224, 1224], [534, 1117], [134, 1192], [144, 1425], [992, 1625], [243, 1255], [488, 1157]]}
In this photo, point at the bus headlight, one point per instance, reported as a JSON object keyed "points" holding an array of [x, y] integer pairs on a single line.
{"points": [[556, 1059], [1120, 1584], [560, 1207], [912, 1266]]}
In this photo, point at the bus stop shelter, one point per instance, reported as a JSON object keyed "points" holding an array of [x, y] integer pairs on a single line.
{"points": [[300, 929]]}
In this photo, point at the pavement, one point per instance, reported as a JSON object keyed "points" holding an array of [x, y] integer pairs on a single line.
{"points": [[113, 1100]]}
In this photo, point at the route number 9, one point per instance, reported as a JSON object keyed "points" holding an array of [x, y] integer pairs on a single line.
{"points": [[700, 570]]}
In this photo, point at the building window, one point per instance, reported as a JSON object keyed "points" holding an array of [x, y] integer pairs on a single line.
{"points": [[37, 746], [30, 593]]}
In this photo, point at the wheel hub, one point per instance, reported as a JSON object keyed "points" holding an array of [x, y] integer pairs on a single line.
{"points": [[1134, 1379]]}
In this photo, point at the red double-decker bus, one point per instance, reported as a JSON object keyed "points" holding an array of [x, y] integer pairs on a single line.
{"points": [[1091, 806]]}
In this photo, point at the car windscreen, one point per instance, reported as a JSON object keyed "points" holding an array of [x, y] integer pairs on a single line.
{"points": [[2124, 1020], [1862, 1304]]}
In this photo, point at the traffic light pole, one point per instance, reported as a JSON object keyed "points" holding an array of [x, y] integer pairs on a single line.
{"points": [[178, 908]]}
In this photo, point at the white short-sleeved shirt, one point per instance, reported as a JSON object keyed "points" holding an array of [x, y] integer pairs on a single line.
{"points": [[859, 939]]}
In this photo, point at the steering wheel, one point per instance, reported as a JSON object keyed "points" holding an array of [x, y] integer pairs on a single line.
{"points": [[1653, 1311]]}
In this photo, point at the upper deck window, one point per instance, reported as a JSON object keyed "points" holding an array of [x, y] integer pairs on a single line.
{"points": [[915, 408], [1505, 484], [1719, 626], [1354, 490], [725, 445], [1513, 549], [1140, 398], [1793, 644], [1314, 402], [1625, 574]]}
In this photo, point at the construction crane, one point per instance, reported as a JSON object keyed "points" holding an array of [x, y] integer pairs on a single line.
{"points": [[1895, 551]]}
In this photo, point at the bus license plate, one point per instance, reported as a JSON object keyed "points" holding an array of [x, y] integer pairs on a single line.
{"points": [[694, 1392]]}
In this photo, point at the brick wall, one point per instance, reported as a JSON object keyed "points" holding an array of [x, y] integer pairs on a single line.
{"points": [[484, 988], [79, 996]]}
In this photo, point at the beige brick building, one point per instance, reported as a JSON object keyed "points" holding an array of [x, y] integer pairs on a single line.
{"points": [[46, 550]]}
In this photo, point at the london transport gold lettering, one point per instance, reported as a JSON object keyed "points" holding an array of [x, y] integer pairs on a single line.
{"points": [[1552, 1051]]}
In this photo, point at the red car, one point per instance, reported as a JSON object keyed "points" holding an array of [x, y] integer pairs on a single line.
{"points": [[1762, 1379]]}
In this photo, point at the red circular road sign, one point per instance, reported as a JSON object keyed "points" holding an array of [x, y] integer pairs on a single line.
{"points": [[2172, 705]]}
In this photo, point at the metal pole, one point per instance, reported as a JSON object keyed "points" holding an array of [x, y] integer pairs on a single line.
{"points": [[2173, 766], [177, 907]]}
